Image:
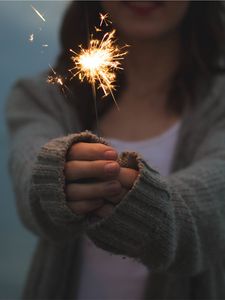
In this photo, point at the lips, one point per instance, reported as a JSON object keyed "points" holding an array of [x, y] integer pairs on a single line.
{"points": [[142, 8]]}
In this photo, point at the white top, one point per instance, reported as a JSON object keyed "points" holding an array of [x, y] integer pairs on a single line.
{"points": [[107, 276]]}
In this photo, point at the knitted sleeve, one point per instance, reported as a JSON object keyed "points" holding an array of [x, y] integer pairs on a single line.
{"points": [[37, 120], [173, 224]]}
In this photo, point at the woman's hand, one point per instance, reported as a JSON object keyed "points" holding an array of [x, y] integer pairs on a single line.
{"points": [[126, 178], [91, 173]]}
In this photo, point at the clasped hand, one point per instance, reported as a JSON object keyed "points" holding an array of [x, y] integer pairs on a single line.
{"points": [[95, 182]]}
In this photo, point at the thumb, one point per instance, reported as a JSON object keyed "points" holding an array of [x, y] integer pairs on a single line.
{"points": [[127, 177]]}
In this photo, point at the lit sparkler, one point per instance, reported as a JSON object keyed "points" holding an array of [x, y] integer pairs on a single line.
{"points": [[38, 13], [99, 63]]}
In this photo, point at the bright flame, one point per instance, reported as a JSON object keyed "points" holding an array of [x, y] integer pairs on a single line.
{"points": [[99, 62]]}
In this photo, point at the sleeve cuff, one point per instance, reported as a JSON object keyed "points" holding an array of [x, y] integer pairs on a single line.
{"points": [[48, 183], [132, 229]]}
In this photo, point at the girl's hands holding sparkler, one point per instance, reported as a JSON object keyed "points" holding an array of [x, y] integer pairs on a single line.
{"points": [[91, 173], [92, 176]]}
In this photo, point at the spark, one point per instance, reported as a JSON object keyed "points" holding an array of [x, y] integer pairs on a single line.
{"points": [[45, 45], [56, 79], [104, 19], [38, 13], [99, 63], [98, 29], [31, 37]]}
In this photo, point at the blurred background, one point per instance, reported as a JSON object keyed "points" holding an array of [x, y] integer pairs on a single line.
{"points": [[20, 57]]}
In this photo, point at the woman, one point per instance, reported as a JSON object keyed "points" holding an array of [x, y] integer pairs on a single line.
{"points": [[161, 207]]}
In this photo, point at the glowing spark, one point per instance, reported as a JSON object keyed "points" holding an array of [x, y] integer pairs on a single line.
{"points": [[104, 19], [31, 37], [55, 79], [98, 63], [38, 13], [98, 29]]}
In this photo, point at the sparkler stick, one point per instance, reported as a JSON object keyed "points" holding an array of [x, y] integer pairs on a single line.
{"points": [[92, 86], [97, 64]]}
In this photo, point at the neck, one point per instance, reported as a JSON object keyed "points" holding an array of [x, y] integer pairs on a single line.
{"points": [[150, 66]]}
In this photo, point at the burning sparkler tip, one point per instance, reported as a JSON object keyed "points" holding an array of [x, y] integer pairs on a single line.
{"points": [[99, 63]]}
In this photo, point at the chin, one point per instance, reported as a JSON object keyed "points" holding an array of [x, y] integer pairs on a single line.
{"points": [[143, 34], [146, 19]]}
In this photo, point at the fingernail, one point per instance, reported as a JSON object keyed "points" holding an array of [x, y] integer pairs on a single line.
{"points": [[111, 168], [110, 154], [113, 188]]}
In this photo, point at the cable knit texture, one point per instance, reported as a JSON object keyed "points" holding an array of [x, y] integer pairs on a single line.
{"points": [[174, 225]]}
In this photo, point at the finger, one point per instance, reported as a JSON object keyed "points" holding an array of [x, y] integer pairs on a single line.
{"points": [[88, 191], [85, 206], [127, 177], [117, 198], [91, 151], [104, 211], [78, 169]]}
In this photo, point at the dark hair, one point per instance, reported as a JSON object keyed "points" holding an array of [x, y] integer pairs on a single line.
{"points": [[202, 37]]}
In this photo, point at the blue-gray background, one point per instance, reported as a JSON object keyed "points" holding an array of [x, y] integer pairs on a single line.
{"points": [[19, 58]]}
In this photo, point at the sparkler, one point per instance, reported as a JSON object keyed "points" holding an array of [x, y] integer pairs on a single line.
{"points": [[99, 63]]}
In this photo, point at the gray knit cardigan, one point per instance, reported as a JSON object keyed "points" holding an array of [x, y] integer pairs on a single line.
{"points": [[174, 225]]}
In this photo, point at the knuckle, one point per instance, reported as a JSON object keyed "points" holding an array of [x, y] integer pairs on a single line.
{"points": [[98, 167], [101, 148]]}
